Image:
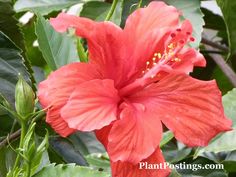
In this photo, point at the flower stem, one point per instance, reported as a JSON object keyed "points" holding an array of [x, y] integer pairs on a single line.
{"points": [[111, 11], [23, 133]]}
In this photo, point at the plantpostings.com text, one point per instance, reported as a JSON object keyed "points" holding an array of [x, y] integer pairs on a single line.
{"points": [[180, 166]]}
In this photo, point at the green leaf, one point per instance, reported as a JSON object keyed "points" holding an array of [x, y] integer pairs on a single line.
{"points": [[96, 10], [8, 24], [223, 142], [128, 6], [99, 161], [230, 162], [222, 81], [67, 151], [86, 143], [228, 9], [167, 136], [191, 11], [33, 53], [58, 49], [5, 123], [7, 158], [174, 173], [210, 19], [11, 64], [43, 6], [69, 170], [174, 154], [10, 27]]}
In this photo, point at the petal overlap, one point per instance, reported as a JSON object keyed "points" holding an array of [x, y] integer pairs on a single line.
{"points": [[55, 91], [92, 105], [135, 136]]}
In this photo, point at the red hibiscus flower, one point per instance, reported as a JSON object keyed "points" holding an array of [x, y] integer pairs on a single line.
{"points": [[135, 80]]}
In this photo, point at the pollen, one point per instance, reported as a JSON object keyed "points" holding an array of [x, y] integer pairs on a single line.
{"points": [[176, 59], [171, 46], [154, 59], [159, 55]]}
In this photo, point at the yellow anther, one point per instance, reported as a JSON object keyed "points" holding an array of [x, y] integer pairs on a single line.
{"points": [[171, 46], [155, 54], [171, 53], [159, 55], [154, 63], [177, 59], [152, 76], [147, 62], [154, 59]]}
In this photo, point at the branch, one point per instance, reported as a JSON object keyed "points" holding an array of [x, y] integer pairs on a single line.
{"points": [[214, 44], [9, 138], [219, 60]]}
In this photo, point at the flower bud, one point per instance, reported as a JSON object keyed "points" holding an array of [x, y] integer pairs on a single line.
{"points": [[24, 98]]}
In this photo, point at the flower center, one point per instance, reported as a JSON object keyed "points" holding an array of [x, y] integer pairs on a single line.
{"points": [[161, 61], [164, 60]]}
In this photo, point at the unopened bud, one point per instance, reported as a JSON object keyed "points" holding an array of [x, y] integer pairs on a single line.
{"points": [[24, 97]]}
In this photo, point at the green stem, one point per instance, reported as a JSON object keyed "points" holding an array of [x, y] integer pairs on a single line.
{"points": [[81, 52], [111, 11], [139, 4], [23, 133], [28, 169]]}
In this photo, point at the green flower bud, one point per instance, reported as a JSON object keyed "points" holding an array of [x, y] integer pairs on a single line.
{"points": [[24, 98]]}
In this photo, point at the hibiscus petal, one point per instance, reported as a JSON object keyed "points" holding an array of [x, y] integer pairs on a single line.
{"points": [[189, 58], [102, 134], [146, 29], [135, 136], [105, 43], [121, 169], [54, 119], [192, 109], [92, 105], [54, 92], [155, 16]]}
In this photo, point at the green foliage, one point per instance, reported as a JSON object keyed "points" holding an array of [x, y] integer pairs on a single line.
{"points": [[69, 170], [87, 143], [9, 24], [191, 11], [43, 6], [167, 136], [174, 153], [66, 150], [30, 156], [98, 10], [11, 64], [33, 53], [58, 49], [228, 9], [99, 161], [7, 159]]}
